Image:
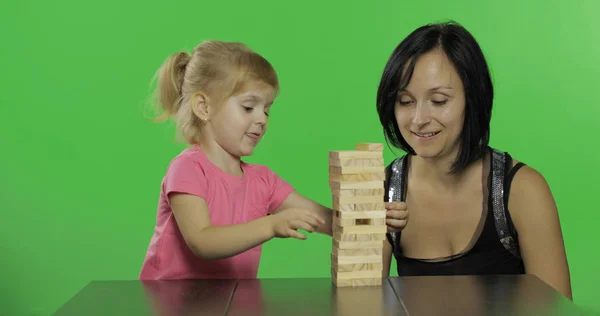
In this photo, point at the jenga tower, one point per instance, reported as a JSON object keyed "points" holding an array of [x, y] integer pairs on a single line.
{"points": [[356, 180]]}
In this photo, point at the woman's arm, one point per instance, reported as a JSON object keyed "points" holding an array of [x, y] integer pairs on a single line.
{"points": [[535, 216]]}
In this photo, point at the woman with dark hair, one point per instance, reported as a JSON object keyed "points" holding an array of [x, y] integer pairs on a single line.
{"points": [[467, 208]]}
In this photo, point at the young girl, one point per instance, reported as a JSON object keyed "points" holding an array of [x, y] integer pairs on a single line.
{"points": [[211, 219]]}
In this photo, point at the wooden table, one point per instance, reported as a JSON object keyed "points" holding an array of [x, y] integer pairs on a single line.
{"points": [[427, 295]]}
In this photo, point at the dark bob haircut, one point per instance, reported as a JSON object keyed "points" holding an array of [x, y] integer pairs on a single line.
{"points": [[468, 60]]}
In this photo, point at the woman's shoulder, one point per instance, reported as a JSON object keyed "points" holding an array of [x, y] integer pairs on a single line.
{"points": [[530, 194], [526, 172], [522, 176], [526, 182]]}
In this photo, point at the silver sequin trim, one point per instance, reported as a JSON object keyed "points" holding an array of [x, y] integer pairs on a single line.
{"points": [[395, 192], [498, 207]]}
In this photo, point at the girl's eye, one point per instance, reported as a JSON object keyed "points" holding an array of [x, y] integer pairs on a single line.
{"points": [[248, 109], [439, 102]]}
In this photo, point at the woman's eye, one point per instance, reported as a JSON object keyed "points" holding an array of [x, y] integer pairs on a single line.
{"points": [[248, 109], [439, 102]]}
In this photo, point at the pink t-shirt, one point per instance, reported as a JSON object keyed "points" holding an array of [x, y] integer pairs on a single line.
{"points": [[230, 199]]}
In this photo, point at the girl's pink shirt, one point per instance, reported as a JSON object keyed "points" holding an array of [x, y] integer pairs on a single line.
{"points": [[230, 199]]}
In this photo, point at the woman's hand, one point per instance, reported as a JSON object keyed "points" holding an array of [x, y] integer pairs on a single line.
{"points": [[396, 216]]}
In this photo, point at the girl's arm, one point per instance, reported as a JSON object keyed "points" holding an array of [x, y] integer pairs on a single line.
{"points": [[296, 200], [396, 216], [216, 242]]}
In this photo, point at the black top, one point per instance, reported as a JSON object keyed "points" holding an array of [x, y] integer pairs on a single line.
{"points": [[494, 252]]}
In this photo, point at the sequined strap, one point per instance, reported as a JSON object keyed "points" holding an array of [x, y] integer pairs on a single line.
{"points": [[394, 194], [395, 184], [506, 236]]}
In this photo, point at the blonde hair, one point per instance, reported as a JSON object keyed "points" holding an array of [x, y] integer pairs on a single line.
{"points": [[219, 69]]}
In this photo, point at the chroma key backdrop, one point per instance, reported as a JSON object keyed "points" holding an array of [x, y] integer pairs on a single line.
{"points": [[81, 166]]}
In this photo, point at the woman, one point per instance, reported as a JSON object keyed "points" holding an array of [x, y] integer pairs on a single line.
{"points": [[468, 208]]}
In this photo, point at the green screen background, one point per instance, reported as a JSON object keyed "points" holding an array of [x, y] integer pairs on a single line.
{"points": [[81, 167]]}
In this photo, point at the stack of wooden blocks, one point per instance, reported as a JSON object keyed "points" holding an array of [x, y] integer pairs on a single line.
{"points": [[356, 181]]}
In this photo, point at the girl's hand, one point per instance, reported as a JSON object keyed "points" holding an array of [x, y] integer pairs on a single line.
{"points": [[286, 223], [396, 216]]}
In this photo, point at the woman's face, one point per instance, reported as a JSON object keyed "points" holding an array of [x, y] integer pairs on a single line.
{"points": [[430, 111]]}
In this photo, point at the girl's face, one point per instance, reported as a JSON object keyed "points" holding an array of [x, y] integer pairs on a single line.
{"points": [[240, 122], [430, 111]]}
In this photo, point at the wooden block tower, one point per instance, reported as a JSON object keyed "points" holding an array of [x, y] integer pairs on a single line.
{"points": [[356, 181]]}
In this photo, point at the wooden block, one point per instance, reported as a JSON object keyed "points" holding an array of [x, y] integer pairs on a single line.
{"points": [[374, 199], [356, 252], [361, 229], [358, 229], [358, 221], [360, 214], [357, 237], [369, 146], [341, 207], [350, 263], [344, 237], [348, 207], [344, 221], [359, 192], [360, 274], [358, 267], [333, 170], [369, 192], [356, 185], [360, 177], [376, 266], [340, 154], [356, 259], [343, 192], [369, 206], [357, 162], [357, 244]]}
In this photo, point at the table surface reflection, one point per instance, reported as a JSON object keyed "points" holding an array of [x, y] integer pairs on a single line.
{"points": [[423, 295]]}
